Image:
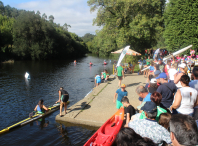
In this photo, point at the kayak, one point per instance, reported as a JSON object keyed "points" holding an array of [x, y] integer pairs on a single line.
{"points": [[32, 118], [107, 133]]}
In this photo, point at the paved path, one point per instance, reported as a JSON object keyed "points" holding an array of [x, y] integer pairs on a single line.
{"points": [[98, 106]]}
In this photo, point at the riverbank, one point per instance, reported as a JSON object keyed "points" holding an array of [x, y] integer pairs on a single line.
{"points": [[98, 106]]}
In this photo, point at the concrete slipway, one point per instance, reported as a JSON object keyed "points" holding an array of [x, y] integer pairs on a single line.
{"points": [[98, 106]]}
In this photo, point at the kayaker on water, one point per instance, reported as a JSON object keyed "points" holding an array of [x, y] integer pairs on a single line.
{"points": [[105, 63], [40, 108], [90, 64], [63, 98]]}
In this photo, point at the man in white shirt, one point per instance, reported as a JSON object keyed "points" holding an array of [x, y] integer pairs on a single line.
{"points": [[194, 84]]}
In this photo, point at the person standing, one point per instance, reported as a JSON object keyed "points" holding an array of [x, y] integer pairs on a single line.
{"points": [[63, 98], [120, 73], [161, 65], [121, 93], [167, 90]]}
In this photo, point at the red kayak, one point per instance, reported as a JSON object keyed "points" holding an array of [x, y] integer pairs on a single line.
{"points": [[107, 133]]}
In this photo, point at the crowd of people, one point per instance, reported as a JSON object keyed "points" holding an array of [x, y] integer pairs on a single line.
{"points": [[168, 110]]}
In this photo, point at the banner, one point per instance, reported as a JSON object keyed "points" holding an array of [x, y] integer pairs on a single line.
{"points": [[124, 51]]}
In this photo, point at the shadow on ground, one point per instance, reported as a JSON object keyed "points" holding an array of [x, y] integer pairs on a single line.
{"points": [[83, 106], [133, 84]]}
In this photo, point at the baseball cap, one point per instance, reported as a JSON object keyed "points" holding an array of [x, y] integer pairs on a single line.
{"points": [[123, 86], [182, 65], [159, 59], [149, 107], [153, 80], [162, 75]]}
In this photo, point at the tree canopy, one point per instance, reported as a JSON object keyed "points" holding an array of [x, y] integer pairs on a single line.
{"points": [[30, 35], [138, 23], [181, 21]]}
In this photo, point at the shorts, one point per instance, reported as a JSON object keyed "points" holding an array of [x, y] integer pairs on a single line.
{"points": [[118, 104], [140, 99], [140, 66], [64, 98], [98, 81], [120, 77]]}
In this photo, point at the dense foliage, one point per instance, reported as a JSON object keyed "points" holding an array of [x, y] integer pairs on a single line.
{"points": [[181, 21], [138, 23], [28, 35], [88, 38]]}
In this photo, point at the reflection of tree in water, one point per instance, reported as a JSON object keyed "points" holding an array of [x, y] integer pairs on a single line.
{"points": [[64, 134]]}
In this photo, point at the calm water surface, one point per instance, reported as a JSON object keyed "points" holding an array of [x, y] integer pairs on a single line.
{"points": [[18, 98]]}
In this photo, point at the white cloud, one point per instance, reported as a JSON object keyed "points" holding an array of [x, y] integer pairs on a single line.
{"points": [[73, 12]]}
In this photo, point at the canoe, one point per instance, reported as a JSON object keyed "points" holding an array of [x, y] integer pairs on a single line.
{"points": [[32, 118], [107, 133]]}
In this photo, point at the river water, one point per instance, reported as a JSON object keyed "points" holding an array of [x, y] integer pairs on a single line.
{"points": [[18, 97]]}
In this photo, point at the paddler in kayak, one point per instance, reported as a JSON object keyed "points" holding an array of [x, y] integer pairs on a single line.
{"points": [[90, 64], [74, 61], [63, 98], [40, 108], [105, 63]]}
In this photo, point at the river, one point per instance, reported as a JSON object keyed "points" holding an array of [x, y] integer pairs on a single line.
{"points": [[18, 97]]}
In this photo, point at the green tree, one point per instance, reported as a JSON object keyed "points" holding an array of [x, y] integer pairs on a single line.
{"points": [[181, 21], [51, 18], [135, 23], [66, 26]]}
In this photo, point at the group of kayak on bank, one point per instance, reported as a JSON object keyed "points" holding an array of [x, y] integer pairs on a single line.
{"points": [[63, 98]]}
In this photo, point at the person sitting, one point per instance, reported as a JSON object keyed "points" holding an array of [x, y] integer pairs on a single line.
{"points": [[167, 90], [164, 120], [128, 137], [105, 75], [105, 63], [149, 127], [40, 108], [156, 71], [97, 80], [183, 130], [129, 109], [156, 98], [143, 93], [161, 65], [186, 98]]}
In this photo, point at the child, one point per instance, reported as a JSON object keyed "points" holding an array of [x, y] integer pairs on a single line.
{"points": [[97, 80], [129, 109]]}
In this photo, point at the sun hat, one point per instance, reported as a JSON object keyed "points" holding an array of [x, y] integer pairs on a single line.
{"points": [[162, 75], [123, 86], [182, 65], [153, 80], [149, 107]]}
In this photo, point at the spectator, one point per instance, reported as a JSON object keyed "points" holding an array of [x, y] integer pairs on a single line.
{"points": [[156, 98], [156, 71], [192, 53], [167, 90], [183, 130], [129, 109], [185, 98], [140, 62], [121, 93], [171, 73], [120, 73], [97, 80], [143, 93], [149, 127], [167, 67], [183, 71], [152, 86], [194, 84], [128, 137], [161, 65], [164, 120]]}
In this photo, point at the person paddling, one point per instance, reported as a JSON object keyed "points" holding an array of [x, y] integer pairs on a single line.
{"points": [[40, 108], [90, 64], [63, 98]]}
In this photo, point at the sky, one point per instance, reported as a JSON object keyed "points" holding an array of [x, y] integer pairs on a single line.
{"points": [[73, 12]]}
